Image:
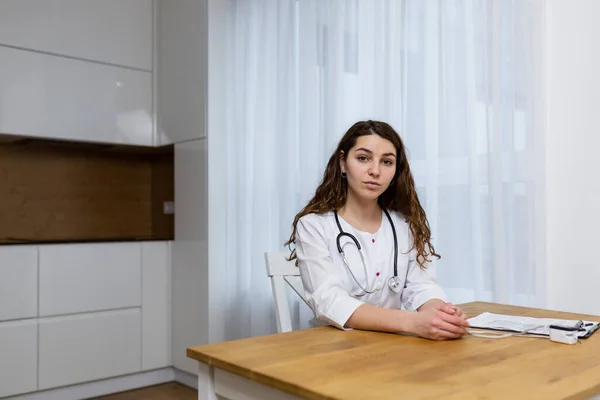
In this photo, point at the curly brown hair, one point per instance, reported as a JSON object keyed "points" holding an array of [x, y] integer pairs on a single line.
{"points": [[400, 196]]}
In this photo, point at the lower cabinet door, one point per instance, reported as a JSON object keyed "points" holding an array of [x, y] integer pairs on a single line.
{"points": [[85, 347], [18, 357]]}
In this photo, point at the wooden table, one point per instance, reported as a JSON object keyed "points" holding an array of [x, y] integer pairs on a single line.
{"points": [[326, 363]]}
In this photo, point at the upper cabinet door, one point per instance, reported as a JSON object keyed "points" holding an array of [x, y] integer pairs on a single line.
{"points": [[54, 97], [182, 70], [117, 32]]}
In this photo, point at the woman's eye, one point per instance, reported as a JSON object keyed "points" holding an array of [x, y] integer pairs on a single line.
{"points": [[362, 158], [388, 162]]}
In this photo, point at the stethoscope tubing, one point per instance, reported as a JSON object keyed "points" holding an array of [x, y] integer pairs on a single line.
{"points": [[393, 282]]}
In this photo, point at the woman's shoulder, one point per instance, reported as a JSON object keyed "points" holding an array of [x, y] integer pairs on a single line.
{"points": [[316, 219], [313, 223]]}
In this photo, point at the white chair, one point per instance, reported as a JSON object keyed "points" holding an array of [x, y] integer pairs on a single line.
{"points": [[282, 271]]}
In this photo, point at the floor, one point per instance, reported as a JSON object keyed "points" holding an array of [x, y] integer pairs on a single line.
{"points": [[167, 391]]}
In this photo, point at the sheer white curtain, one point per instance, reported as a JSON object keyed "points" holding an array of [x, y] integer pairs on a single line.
{"points": [[458, 81]]}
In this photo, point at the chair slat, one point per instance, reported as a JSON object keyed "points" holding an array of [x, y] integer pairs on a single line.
{"points": [[281, 271]]}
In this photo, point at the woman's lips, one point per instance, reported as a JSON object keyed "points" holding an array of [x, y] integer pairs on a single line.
{"points": [[372, 185]]}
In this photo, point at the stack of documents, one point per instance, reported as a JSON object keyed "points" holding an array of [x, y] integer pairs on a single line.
{"points": [[530, 325]]}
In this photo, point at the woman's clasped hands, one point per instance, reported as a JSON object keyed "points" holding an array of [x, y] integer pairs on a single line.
{"points": [[438, 320]]}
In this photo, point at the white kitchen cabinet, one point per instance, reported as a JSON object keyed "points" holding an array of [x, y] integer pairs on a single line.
{"points": [[18, 282], [182, 72], [156, 305], [110, 31], [87, 347], [104, 312], [54, 97], [77, 278], [18, 357], [190, 253]]}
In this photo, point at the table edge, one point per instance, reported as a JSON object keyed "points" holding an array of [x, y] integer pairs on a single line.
{"points": [[259, 377]]}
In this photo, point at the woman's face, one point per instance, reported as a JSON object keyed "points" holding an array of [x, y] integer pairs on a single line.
{"points": [[370, 166]]}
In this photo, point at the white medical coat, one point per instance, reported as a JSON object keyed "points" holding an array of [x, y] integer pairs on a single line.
{"points": [[327, 283]]}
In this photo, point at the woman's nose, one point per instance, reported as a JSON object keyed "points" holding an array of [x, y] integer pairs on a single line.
{"points": [[374, 171]]}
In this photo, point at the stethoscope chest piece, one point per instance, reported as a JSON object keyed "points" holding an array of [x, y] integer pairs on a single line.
{"points": [[394, 284]]}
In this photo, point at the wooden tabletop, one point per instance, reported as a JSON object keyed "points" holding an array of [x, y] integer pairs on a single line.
{"points": [[327, 363]]}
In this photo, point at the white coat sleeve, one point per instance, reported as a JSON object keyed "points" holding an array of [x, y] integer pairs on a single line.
{"points": [[421, 285], [322, 283]]}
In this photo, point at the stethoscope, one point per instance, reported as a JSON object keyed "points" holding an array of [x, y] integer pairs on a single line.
{"points": [[393, 282]]}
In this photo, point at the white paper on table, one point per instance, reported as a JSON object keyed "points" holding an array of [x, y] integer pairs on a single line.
{"points": [[514, 323]]}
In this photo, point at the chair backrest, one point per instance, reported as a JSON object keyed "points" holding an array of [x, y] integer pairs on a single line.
{"points": [[281, 271]]}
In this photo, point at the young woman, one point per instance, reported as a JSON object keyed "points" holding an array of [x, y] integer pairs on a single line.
{"points": [[363, 246]]}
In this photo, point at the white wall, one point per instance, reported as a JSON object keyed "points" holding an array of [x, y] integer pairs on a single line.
{"points": [[573, 155], [217, 173]]}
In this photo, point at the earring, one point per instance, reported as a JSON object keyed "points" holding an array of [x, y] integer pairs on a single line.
{"points": [[343, 174]]}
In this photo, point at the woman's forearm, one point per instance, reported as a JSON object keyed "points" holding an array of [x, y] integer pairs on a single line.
{"points": [[368, 317], [431, 322]]}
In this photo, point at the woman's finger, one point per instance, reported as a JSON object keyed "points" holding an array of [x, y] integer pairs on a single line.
{"points": [[451, 328], [449, 308], [454, 319], [458, 312], [443, 334]]}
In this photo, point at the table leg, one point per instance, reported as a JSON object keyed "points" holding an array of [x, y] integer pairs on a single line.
{"points": [[206, 382]]}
